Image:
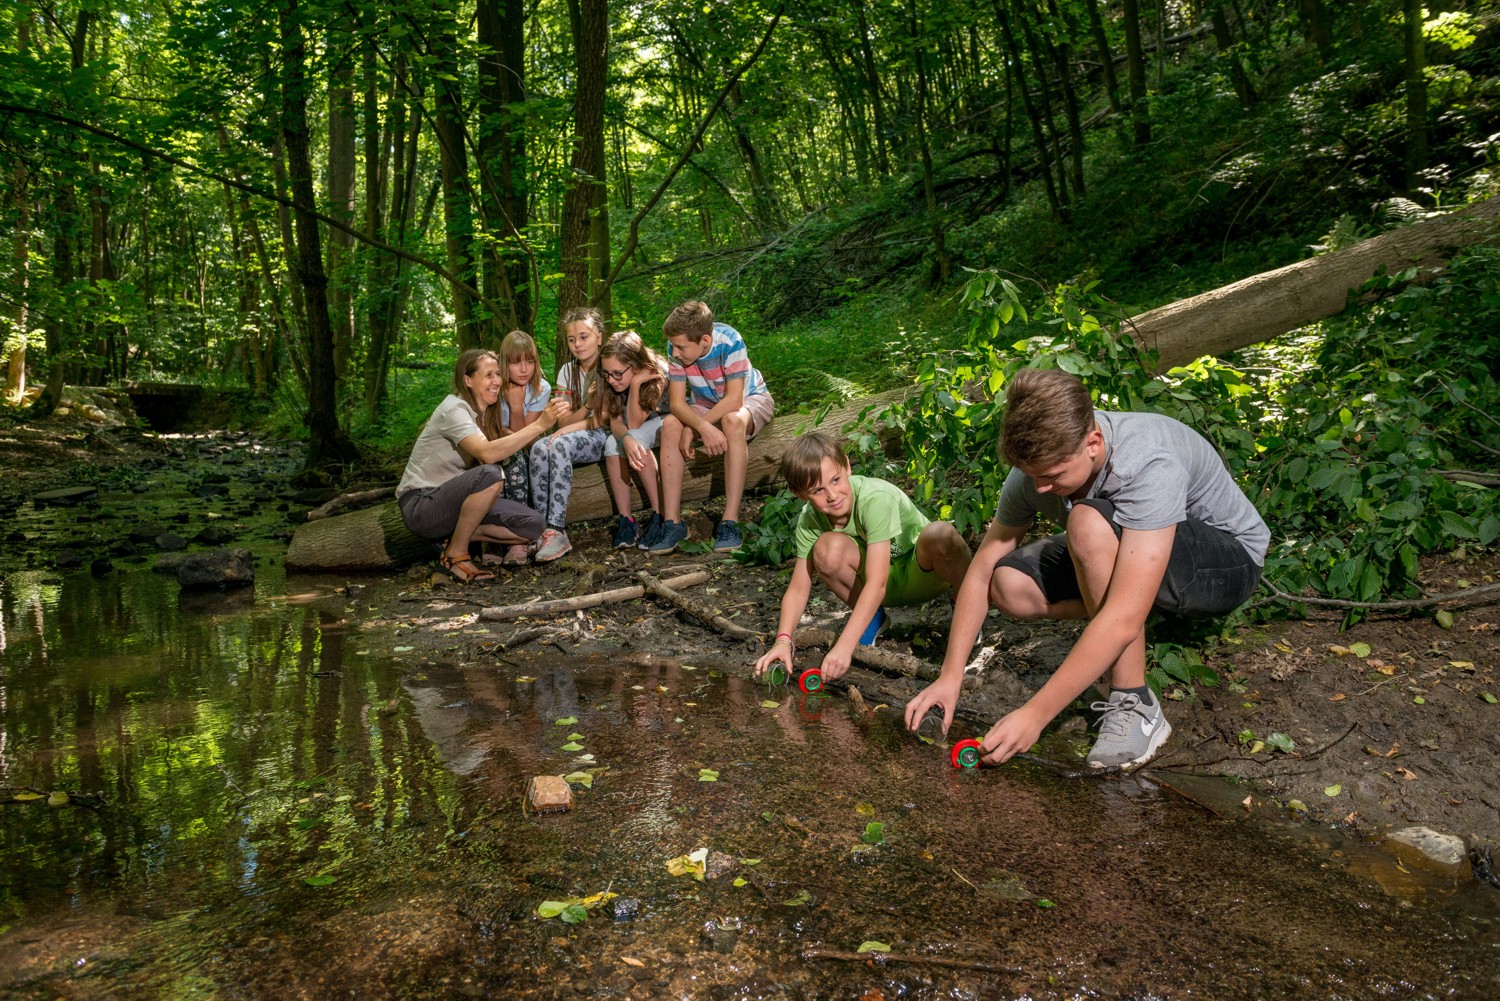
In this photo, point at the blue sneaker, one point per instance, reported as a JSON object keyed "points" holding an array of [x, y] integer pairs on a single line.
{"points": [[652, 532], [727, 538], [672, 532], [624, 532], [874, 629]]}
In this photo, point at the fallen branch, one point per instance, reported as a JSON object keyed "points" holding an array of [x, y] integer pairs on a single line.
{"points": [[888, 661], [557, 605], [903, 957], [1475, 477], [657, 587], [350, 500], [1435, 599]]}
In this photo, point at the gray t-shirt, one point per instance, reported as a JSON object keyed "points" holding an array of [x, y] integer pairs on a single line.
{"points": [[1157, 472], [436, 457]]}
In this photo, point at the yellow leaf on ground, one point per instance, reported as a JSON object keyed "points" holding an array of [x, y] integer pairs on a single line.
{"points": [[1337, 697], [632, 961]]}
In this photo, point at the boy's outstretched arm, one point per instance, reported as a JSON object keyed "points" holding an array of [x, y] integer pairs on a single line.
{"points": [[871, 597], [969, 610], [793, 604], [1140, 563]]}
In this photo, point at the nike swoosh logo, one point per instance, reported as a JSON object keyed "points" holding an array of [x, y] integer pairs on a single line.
{"points": [[1145, 727]]}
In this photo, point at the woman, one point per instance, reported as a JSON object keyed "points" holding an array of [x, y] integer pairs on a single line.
{"points": [[451, 489]]}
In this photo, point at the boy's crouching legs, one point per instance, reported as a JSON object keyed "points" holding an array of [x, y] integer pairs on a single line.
{"points": [[1016, 594], [836, 558], [736, 458], [941, 550]]}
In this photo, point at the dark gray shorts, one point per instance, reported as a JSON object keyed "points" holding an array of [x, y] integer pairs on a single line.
{"points": [[1208, 573], [431, 512]]}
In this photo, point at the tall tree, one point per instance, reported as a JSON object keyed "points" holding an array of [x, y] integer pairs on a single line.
{"points": [[328, 443], [585, 221], [1416, 94], [453, 157], [340, 187], [502, 152], [20, 328], [1135, 71]]}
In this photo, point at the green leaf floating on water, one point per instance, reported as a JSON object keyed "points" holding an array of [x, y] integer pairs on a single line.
{"points": [[800, 899], [874, 833], [769, 704], [575, 736], [1044, 902], [575, 914], [567, 721], [572, 745], [873, 946], [322, 880], [551, 908], [865, 809], [741, 881], [707, 775], [580, 778]]}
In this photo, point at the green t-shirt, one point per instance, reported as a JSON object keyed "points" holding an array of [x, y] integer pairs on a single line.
{"points": [[879, 511]]}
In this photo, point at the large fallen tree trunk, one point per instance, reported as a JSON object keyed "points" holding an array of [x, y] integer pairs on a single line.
{"points": [[1266, 305], [376, 539]]}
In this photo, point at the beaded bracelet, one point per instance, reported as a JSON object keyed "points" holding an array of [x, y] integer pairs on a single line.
{"points": [[785, 636]]}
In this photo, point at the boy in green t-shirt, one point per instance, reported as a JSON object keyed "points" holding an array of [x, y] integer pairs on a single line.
{"points": [[869, 543]]}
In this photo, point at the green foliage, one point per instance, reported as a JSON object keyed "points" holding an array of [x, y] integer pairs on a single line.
{"points": [[1340, 439]]}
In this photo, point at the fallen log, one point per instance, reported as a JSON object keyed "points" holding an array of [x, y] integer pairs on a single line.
{"points": [[352, 542], [556, 605], [1269, 304], [886, 661]]}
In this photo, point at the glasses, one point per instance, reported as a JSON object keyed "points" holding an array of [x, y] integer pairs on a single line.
{"points": [[612, 376]]}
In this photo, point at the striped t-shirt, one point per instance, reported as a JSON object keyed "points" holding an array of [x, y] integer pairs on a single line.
{"points": [[708, 378]]}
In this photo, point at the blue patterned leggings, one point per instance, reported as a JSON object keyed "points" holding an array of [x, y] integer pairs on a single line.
{"points": [[552, 462]]}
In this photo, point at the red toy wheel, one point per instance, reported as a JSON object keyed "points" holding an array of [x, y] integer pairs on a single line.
{"points": [[966, 754], [810, 680]]}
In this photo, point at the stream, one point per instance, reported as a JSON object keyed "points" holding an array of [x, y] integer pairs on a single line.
{"points": [[267, 798]]}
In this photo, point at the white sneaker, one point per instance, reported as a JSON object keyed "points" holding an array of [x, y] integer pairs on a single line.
{"points": [[1130, 732], [552, 545]]}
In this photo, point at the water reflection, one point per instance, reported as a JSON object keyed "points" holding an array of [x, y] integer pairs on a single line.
{"points": [[273, 803]]}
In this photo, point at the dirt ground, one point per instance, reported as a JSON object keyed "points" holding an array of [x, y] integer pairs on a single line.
{"points": [[1387, 725]]}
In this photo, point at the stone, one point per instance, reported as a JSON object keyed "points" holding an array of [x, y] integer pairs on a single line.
{"points": [[549, 794], [1444, 849], [66, 495], [718, 865], [101, 567], [213, 535], [170, 542], [169, 563], [625, 908], [147, 533], [68, 559], [220, 568]]}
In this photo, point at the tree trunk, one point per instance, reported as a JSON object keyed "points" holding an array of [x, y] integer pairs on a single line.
{"points": [[1106, 59], [327, 442], [502, 148], [340, 186], [15, 367], [458, 214], [1416, 95], [387, 293], [942, 268], [1317, 26], [1225, 41], [1057, 200], [1267, 305], [585, 241], [1135, 65], [873, 88]]}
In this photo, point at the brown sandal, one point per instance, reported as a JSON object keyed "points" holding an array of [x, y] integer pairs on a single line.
{"points": [[463, 570]]}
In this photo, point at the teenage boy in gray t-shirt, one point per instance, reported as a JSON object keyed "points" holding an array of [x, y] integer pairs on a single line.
{"points": [[1153, 520]]}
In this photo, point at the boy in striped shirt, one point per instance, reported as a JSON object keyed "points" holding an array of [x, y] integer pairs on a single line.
{"points": [[718, 398]]}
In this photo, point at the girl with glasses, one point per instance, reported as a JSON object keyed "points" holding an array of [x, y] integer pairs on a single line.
{"points": [[631, 399]]}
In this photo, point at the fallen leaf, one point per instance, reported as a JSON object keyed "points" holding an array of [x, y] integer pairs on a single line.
{"points": [[1044, 902], [566, 721], [1360, 649], [741, 881], [873, 946], [1386, 669], [865, 809], [632, 961], [707, 775], [580, 778], [1298, 805], [525, 679], [1460, 663], [688, 667], [576, 736], [769, 704], [571, 745], [1337, 697], [27, 797], [749, 861], [874, 833], [1339, 651], [1407, 774], [1443, 618], [637, 688], [1488, 698], [1333, 790], [394, 649], [1417, 700], [690, 864], [800, 899], [1247, 802]]}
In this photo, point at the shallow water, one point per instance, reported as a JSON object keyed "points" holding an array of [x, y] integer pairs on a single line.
{"points": [[224, 754]]}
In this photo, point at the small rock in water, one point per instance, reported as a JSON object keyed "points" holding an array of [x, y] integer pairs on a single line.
{"points": [[625, 908], [68, 559], [1444, 849], [66, 495], [101, 567], [147, 533], [170, 542], [170, 563], [217, 568], [549, 794]]}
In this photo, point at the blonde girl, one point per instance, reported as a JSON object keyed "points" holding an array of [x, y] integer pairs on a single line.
{"points": [[631, 399], [580, 437], [451, 489], [522, 400]]}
